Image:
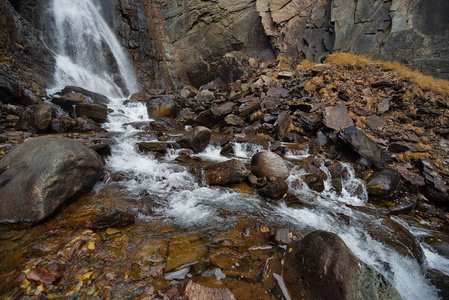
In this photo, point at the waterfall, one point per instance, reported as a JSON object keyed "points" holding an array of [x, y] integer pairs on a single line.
{"points": [[87, 52]]}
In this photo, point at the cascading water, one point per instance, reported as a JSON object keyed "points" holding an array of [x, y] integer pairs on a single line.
{"points": [[84, 46], [87, 52]]}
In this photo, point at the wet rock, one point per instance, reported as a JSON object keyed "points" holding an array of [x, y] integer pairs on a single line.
{"points": [[365, 147], [42, 174], [314, 181], [96, 98], [35, 118], [189, 290], [43, 275], [98, 113], [102, 149], [164, 106], [9, 88], [248, 107], [184, 251], [196, 139], [337, 118], [155, 147], [383, 182], [434, 188], [282, 236], [225, 258], [234, 120], [336, 171], [225, 173], [282, 126], [223, 109], [410, 176], [321, 266], [166, 124], [112, 219], [86, 125], [62, 124], [274, 190], [404, 204], [269, 164], [68, 99]]}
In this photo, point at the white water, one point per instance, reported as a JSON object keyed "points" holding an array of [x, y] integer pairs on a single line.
{"points": [[187, 202], [87, 52]]}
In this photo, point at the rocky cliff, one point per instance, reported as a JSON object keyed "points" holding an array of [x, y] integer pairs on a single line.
{"points": [[414, 32]]}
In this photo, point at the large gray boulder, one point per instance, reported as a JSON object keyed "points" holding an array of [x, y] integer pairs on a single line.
{"points": [[269, 164], [321, 266], [39, 175]]}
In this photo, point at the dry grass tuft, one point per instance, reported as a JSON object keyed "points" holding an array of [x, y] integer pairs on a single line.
{"points": [[304, 66]]}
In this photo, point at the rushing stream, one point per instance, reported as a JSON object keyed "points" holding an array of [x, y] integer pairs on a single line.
{"points": [[84, 50]]}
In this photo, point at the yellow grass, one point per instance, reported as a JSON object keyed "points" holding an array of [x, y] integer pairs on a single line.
{"points": [[305, 65], [424, 81]]}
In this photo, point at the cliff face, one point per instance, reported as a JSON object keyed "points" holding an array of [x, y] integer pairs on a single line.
{"points": [[414, 32]]}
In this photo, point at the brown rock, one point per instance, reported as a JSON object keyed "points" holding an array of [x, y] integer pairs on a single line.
{"points": [[98, 113], [43, 275], [35, 118], [275, 189], [164, 106], [184, 251], [189, 290], [375, 122], [269, 164], [115, 218], [282, 126], [225, 173], [383, 182], [62, 124], [337, 118], [196, 139]]}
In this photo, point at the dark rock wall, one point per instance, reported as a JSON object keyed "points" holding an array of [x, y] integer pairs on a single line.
{"points": [[203, 31], [415, 32]]}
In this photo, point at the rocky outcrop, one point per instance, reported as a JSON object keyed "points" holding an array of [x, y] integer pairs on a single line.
{"points": [[43, 173], [412, 32], [203, 31], [321, 266]]}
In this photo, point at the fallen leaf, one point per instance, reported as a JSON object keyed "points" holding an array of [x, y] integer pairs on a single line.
{"points": [[112, 231]]}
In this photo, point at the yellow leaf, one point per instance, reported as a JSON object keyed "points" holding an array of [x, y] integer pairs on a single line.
{"points": [[39, 290], [87, 275], [112, 231], [70, 293], [91, 246]]}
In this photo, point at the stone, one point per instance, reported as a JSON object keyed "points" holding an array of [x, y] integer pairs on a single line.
{"points": [[196, 139], [68, 99], [269, 164], [86, 125], [42, 174], [112, 219], [365, 147], [375, 122], [164, 106], [248, 107], [189, 290], [404, 204], [225, 173], [410, 176], [184, 251], [402, 146], [62, 124], [383, 106], [282, 126], [383, 182], [434, 189], [35, 118], [98, 113], [234, 120], [337, 118], [307, 121], [321, 266], [9, 88], [274, 190], [223, 109], [43, 275], [166, 124], [314, 181], [96, 97], [155, 147]]}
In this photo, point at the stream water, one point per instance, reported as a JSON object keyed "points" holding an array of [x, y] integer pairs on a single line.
{"points": [[84, 46]]}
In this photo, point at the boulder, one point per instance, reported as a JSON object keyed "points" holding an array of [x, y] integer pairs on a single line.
{"points": [[165, 124], [321, 266], [383, 182], [62, 124], [164, 106], [98, 113], [307, 121], [43, 173], [269, 164], [434, 189], [196, 139], [365, 147], [337, 117], [282, 125], [85, 125], [96, 98], [9, 88], [225, 173], [274, 190], [35, 118]]}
